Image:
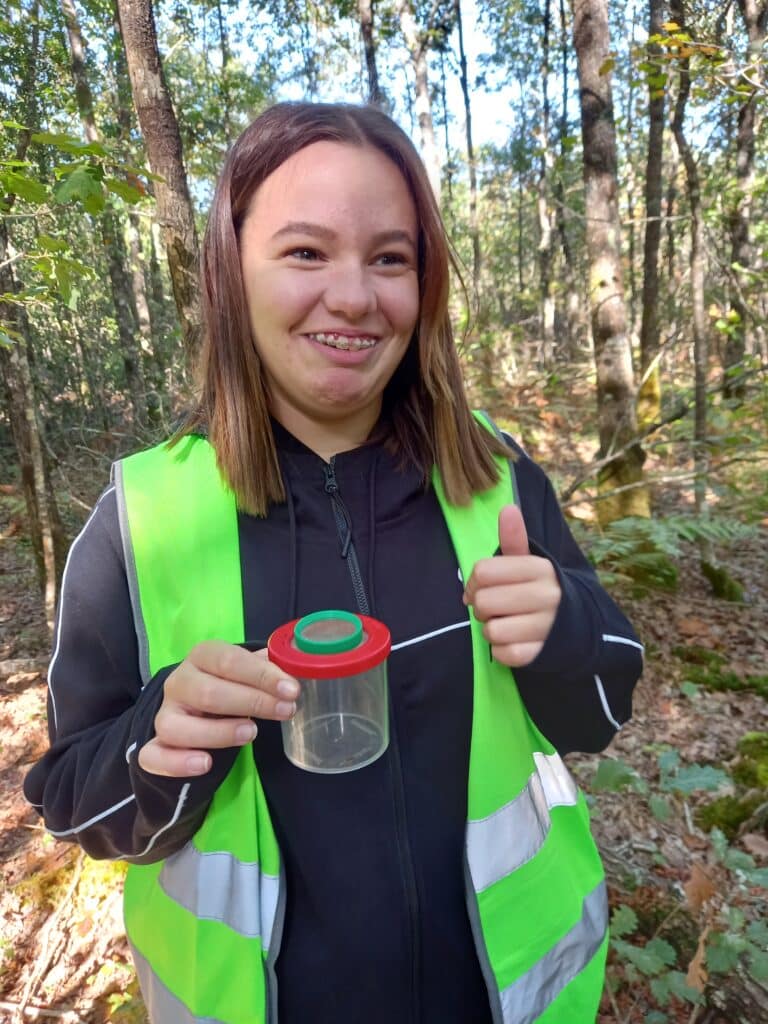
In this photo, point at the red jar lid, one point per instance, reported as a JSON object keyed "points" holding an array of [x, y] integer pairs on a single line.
{"points": [[373, 649]]}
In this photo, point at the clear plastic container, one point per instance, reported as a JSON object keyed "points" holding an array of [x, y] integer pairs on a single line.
{"points": [[342, 713]]}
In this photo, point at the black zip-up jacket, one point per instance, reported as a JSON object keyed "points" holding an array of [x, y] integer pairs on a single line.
{"points": [[376, 928]]}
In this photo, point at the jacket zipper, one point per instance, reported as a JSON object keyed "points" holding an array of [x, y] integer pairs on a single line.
{"points": [[344, 528]]}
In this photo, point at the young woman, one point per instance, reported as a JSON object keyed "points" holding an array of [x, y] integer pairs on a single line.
{"points": [[333, 462]]}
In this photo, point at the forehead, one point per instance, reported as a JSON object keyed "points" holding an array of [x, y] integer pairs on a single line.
{"points": [[329, 181]]}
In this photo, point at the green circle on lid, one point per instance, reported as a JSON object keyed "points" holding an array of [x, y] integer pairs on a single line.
{"points": [[328, 632]]}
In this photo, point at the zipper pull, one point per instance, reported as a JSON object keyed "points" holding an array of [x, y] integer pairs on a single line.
{"points": [[331, 487]]}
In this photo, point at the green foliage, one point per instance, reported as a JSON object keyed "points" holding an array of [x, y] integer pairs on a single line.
{"points": [[645, 551]]}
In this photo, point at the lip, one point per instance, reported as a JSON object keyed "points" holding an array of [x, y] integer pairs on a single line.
{"points": [[344, 333]]}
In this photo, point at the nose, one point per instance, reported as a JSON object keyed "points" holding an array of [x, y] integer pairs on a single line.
{"points": [[350, 292]]}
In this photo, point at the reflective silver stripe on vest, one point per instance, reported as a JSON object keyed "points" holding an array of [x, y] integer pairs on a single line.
{"points": [[219, 887], [527, 998], [508, 838], [163, 1006]]}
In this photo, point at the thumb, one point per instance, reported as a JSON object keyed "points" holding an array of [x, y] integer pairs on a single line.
{"points": [[513, 537]]}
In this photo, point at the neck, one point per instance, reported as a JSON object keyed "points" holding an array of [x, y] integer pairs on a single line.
{"points": [[327, 437]]}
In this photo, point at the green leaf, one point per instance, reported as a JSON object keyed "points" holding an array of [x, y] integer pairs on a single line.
{"points": [[663, 950], [679, 987], [719, 843], [623, 921], [660, 989], [737, 860], [645, 958], [656, 1016], [51, 244], [79, 184], [759, 877], [69, 143], [758, 964], [24, 187], [689, 689], [15, 124], [668, 761], [129, 193], [661, 808], [613, 775], [693, 777], [722, 954], [607, 65], [757, 931]]}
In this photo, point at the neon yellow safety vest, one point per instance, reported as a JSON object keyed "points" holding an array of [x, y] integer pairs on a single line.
{"points": [[205, 924]]}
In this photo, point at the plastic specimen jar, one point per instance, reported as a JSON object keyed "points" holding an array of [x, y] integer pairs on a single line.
{"points": [[342, 713]]}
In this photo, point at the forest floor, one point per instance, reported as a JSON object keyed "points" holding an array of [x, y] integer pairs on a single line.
{"points": [[687, 903]]}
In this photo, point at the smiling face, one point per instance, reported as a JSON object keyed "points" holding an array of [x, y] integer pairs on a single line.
{"points": [[328, 253]]}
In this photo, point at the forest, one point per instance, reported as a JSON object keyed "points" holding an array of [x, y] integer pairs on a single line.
{"points": [[602, 169]]}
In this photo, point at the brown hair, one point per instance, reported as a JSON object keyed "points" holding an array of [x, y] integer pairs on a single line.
{"points": [[428, 417]]}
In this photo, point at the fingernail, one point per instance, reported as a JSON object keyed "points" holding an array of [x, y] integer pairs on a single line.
{"points": [[288, 688], [245, 733], [285, 709], [197, 764]]}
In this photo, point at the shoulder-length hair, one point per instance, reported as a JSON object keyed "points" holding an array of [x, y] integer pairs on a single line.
{"points": [[426, 412]]}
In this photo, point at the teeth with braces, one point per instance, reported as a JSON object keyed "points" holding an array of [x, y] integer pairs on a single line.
{"points": [[343, 342]]}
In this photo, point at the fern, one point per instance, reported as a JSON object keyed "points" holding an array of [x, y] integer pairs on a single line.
{"points": [[645, 551]]}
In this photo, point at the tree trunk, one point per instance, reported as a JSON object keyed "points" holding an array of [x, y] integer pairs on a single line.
{"points": [[613, 356], [111, 230], [163, 141], [544, 211], [474, 227], [573, 304], [365, 16], [45, 530], [417, 48], [755, 17], [649, 399], [696, 263]]}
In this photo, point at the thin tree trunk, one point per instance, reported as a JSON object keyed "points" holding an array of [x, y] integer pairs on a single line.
{"points": [[545, 248], [613, 356], [696, 262], [111, 229], [474, 227], [163, 141], [365, 16], [573, 317], [226, 99], [417, 48], [755, 17], [649, 399]]}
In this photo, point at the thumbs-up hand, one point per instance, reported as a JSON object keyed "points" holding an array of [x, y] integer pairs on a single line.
{"points": [[515, 594]]}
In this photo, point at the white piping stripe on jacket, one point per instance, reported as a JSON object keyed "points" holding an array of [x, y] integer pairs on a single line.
{"points": [[92, 821], [76, 541], [606, 705], [526, 999], [219, 887], [514, 834], [428, 636], [611, 639]]}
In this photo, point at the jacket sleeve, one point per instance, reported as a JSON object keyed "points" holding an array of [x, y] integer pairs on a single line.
{"points": [[578, 690], [89, 787]]}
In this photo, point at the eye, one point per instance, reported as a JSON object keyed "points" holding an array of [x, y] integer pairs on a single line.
{"points": [[392, 259], [304, 254]]}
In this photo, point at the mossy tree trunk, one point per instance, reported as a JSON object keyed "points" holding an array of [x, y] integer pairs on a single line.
{"points": [[621, 481]]}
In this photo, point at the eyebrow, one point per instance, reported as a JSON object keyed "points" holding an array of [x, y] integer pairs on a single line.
{"points": [[304, 227]]}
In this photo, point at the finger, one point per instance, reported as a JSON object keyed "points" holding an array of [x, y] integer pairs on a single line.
{"points": [[515, 599], [518, 629], [516, 655], [251, 668], [158, 759], [513, 536], [177, 728], [201, 693], [493, 572]]}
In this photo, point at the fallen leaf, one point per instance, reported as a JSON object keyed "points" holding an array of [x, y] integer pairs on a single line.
{"points": [[756, 844], [699, 888], [693, 626], [697, 972]]}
